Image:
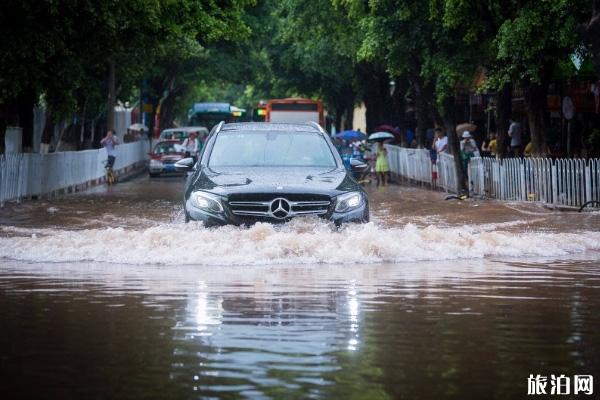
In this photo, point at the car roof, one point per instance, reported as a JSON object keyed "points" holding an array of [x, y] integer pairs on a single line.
{"points": [[270, 126], [168, 141], [186, 129]]}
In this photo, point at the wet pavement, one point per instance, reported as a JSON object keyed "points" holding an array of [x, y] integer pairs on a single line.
{"points": [[108, 294]]}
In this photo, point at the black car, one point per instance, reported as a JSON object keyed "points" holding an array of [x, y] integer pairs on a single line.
{"points": [[258, 171]]}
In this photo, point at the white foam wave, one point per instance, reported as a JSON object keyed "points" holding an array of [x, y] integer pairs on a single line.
{"points": [[301, 241]]}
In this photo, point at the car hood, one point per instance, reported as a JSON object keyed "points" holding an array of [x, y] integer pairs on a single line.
{"points": [[225, 181], [171, 157]]}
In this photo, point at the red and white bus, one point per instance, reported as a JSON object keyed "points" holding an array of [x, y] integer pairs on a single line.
{"points": [[295, 110]]}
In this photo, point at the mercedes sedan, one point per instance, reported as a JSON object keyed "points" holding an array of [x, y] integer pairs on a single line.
{"points": [[251, 172]]}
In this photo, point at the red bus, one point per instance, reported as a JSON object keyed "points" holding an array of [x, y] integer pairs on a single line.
{"points": [[295, 110]]}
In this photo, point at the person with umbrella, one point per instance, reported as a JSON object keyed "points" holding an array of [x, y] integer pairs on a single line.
{"points": [[468, 149], [382, 167]]}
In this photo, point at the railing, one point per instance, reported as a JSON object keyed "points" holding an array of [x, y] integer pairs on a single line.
{"points": [[416, 165], [561, 182], [31, 174]]}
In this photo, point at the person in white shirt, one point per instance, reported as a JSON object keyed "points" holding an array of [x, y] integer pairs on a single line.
{"points": [[514, 132], [468, 149], [440, 144], [190, 145]]}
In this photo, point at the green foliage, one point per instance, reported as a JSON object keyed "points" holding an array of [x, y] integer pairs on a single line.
{"points": [[60, 49], [244, 50], [542, 32]]}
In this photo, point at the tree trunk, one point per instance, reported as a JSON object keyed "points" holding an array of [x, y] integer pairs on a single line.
{"points": [[398, 117], [372, 104], [420, 109], [376, 96], [26, 103], [152, 117], [167, 115], [448, 116], [535, 100], [112, 97], [82, 127], [48, 131], [503, 112]]}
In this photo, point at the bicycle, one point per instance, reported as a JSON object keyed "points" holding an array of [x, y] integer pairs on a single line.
{"points": [[111, 178]]}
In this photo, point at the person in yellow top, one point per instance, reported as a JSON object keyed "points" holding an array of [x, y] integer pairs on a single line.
{"points": [[381, 164], [493, 146], [489, 146], [528, 149]]}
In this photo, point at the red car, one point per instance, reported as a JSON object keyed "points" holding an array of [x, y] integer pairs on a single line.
{"points": [[164, 156]]}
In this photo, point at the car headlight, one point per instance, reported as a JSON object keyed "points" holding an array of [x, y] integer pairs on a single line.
{"points": [[156, 163], [206, 201], [348, 201]]}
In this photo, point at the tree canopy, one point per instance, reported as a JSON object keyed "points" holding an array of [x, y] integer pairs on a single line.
{"points": [[410, 62]]}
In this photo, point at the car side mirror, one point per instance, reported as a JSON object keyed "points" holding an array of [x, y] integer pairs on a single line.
{"points": [[184, 165], [357, 165]]}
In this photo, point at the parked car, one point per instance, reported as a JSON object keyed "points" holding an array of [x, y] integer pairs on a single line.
{"points": [[164, 156], [258, 171], [182, 133]]}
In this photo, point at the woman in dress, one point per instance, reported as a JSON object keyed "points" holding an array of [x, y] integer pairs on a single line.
{"points": [[381, 165]]}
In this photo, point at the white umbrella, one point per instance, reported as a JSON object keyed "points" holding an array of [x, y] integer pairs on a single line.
{"points": [[381, 136], [138, 127]]}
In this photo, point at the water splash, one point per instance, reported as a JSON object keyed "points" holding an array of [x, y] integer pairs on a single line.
{"points": [[298, 242]]}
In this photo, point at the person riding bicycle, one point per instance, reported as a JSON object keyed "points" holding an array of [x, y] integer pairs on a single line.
{"points": [[109, 142]]}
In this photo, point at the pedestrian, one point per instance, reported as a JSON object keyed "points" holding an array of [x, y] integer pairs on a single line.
{"points": [[514, 132], [381, 164], [440, 144], [109, 142], [468, 149], [190, 146], [370, 157], [493, 145], [486, 146]]}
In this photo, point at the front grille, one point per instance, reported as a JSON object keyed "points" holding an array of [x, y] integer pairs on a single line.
{"points": [[265, 208], [268, 197]]}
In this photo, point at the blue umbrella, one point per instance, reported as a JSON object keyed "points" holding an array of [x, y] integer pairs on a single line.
{"points": [[351, 135]]}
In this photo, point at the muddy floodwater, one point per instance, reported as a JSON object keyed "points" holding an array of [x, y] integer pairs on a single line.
{"points": [[108, 294]]}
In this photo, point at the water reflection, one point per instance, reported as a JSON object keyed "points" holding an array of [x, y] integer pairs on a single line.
{"points": [[353, 306], [429, 330]]}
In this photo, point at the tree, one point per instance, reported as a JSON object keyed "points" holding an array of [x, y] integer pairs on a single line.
{"points": [[70, 51], [589, 28], [529, 46]]}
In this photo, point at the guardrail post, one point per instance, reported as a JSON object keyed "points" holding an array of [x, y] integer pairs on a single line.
{"points": [[554, 185], [588, 182], [522, 176]]}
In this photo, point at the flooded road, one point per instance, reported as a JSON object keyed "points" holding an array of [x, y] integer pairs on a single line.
{"points": [[108, 294]]}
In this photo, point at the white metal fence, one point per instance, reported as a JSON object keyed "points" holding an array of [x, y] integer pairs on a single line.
{"points": [[416, 165], [561, 182], [31, 174]]}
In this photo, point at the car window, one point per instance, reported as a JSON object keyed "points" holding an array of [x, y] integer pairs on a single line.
{"points": [[271, 148], [167, 148], [174, 135]]}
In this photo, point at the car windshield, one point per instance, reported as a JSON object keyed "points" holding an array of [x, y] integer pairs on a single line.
{"points": [[174, 135], [271, 149], [167, 148]]}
